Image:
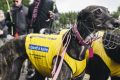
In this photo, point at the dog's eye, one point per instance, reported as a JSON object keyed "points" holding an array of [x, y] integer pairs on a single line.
{"points": [[97, 11]]}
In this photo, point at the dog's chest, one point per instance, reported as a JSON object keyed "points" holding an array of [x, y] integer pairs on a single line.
{"points": [[41, 49]]}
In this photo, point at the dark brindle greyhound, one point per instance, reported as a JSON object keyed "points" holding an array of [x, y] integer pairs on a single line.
{"points": [[14, 52], [106, 60]]}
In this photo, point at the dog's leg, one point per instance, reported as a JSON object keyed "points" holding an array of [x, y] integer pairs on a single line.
{"points": [[95, 70], [15, 69], [24, 70], [65, 73]]}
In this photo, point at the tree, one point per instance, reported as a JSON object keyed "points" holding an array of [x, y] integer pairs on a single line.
{"points": [[68, 18], [117, 13], [4, 6]]}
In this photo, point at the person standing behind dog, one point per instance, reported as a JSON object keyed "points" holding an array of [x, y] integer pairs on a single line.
{"points": [[18, 13], [3, 28], [41, 14]]}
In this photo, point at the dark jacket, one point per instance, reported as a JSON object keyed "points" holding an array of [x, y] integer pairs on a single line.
{"points": [[19, 19], [42, 15]]}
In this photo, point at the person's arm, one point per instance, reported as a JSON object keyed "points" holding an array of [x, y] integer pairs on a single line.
{"points": [[53, 13], [56, 13]]}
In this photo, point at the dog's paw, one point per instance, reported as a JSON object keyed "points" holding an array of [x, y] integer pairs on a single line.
{"points": [[86, 77]]}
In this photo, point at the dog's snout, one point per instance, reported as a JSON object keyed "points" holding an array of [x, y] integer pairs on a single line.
{"points": [[116, 23], [112, 23]]}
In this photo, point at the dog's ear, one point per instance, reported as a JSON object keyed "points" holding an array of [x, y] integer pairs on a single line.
{"points": [[84, 15]]}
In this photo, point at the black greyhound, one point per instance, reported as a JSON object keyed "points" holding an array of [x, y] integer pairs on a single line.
{"points": [[106, 61], [90, 20]]}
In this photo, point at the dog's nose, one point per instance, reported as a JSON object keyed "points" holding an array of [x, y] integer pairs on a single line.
{"points": [[112, 24], [116, 23]]}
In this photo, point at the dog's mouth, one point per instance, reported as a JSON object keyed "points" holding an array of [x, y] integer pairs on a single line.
{"points": [[111, 38], [110, 24], [109, 27]]}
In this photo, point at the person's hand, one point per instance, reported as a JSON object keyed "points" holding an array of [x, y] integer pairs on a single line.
{"points": [[1, 32], [51, 16]]}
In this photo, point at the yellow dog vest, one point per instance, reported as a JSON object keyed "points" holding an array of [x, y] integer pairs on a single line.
{"points": [[41, 49], [100, 51]]}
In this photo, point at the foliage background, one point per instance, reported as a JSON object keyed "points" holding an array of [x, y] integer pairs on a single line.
{"points": [[4, 6], [117, 13], [65, 18]]}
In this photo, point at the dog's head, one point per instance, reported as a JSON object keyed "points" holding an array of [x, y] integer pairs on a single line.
{"points": [[111, 41], [96, 18]]}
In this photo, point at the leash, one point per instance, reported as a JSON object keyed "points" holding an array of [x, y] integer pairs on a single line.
{"points": [[35, 11], [56, 70]]}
